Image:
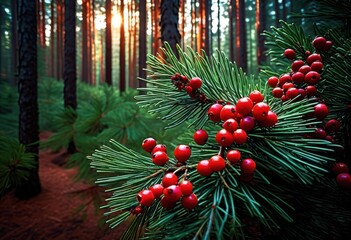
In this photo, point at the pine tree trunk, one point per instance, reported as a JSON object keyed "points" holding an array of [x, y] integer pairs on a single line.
{"points": [[208, 37], [27, 87], [169, 23], [241, 46], [14, 56], [142, 42], [52, 40], [219, 26], [108, 45], [84, 74], [122, 53], [70, 70], [276, 10], [260, 26], [231, 30]]}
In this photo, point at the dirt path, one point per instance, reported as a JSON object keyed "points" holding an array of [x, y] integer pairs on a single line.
{"points": [[51, 214]]}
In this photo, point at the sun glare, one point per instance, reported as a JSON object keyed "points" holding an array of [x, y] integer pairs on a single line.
{"points": [[116, 20]]}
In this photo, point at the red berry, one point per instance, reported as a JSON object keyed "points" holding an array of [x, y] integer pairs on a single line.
{"points": [[137, 210], [319, 43], [312, 77], [284, 98], [148, 144], [270, 121], [307, 53], [340, 167], [260, 110], [328, 45], [228, 111], [195, 83], [182, 153], [329, 138], [292, 93], [145, 198], [332, 125], [317, 66], [169, 179], [239, 136], [344, 180], [256, 96], [313, 57], [248, 165], [311, 90], [159, 158], [284, 79], [188, 89], [273, 82], [214, 112], [320, 111], [247, 123], [290, 53], [159, 147], [296, 65], [277, 92], [319, 133], [200, 137], [224, 138], [172, 193], [233, 156], [302, 93], [157, 190], [305, 69], [217, 163], [186, 187], [230, 125], [244, 106], [298, 77], [287, 85], [203, 168], [167, 204], [189, 202]]}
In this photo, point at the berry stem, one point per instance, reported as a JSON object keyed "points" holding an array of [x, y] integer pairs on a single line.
{"points": [[221, 151], [155, 174], [223, 180]]}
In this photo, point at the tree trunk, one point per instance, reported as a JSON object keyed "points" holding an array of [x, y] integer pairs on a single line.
{"points": [[241, 46], [142, 42], [27, 87], [84, 74], [260, 26], [276, 10], [169, 23], [108, 45], [231, 30], [52, 40], [70, 69], [122, 53], [14, 56], [208, 37], [219, 26]]}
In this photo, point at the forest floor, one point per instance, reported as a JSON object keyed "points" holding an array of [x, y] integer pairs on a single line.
{"points": [[53, 214]]}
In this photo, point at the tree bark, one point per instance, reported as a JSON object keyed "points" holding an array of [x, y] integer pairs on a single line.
{"points": [[52, 40], [231, 30], [28, 93], [260, 26], [14, 56], [122, 53], [142, 42], [169, 23], [108, 45], [241, 46], [84, 74]]}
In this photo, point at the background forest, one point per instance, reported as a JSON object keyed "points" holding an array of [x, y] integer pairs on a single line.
{"points": [[83, 64]]}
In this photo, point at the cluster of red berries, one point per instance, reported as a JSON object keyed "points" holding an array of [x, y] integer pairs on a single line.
{"points": [[192, 86], [326, 130], [170, 191], [343, 178], [304, 75], [218, 163], [239, 119]]}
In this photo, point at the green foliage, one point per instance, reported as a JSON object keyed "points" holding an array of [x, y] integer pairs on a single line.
{"points": [[284, 158], [8, 110], [224, 80], [14, 163]]}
